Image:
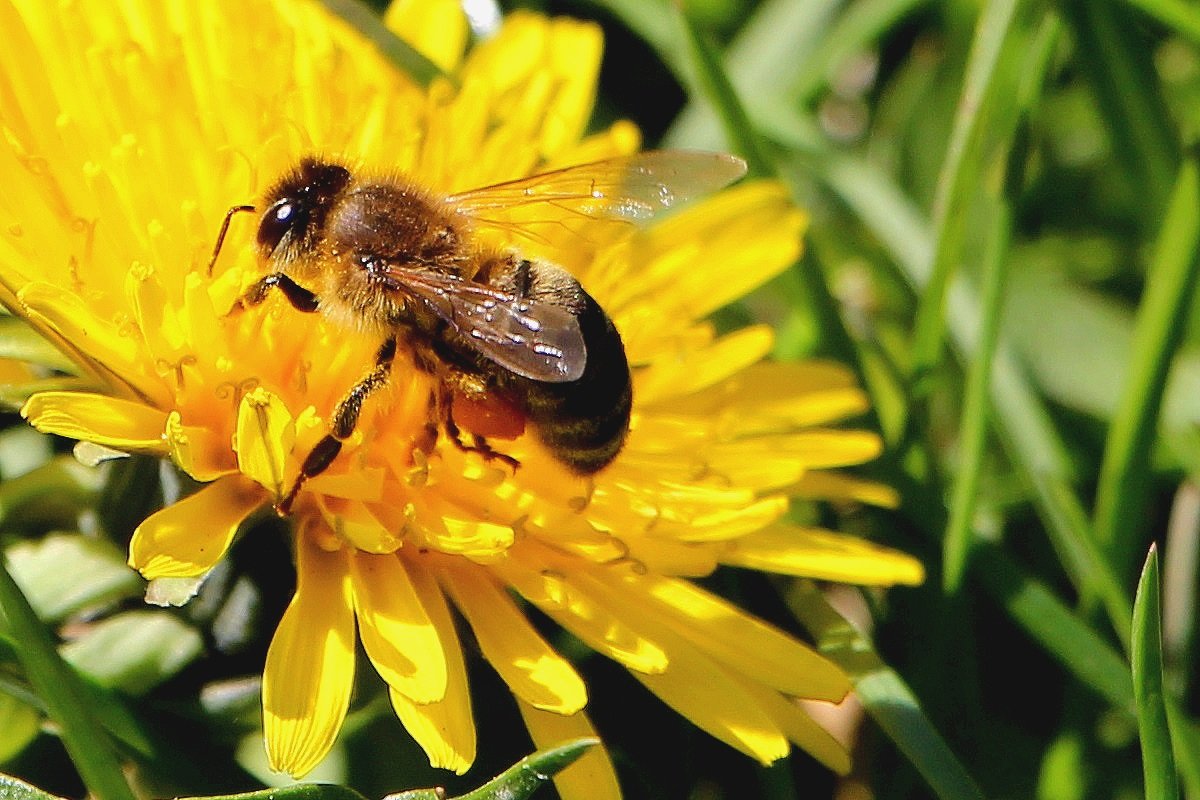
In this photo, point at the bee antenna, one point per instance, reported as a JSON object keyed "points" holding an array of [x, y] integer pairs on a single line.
{"points": [[225, 229]]}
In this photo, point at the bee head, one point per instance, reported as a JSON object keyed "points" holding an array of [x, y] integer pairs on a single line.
{"points": [[297, 206]]}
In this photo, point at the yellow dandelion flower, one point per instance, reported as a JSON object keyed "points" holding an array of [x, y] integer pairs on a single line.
{"points": [[129, 130]]}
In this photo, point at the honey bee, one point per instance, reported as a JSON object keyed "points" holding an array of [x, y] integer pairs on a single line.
{"points": [[393, 261]]}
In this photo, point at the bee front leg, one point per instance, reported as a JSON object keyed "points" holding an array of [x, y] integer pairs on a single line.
{"points": [[345, 420], [301, 299]]}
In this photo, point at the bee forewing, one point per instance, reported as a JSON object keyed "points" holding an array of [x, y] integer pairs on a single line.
{"points": [[535, 340], [632, 188]]}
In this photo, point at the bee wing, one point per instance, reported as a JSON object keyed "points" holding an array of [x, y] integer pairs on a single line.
{"points": [[540, 341], [627, 189]]}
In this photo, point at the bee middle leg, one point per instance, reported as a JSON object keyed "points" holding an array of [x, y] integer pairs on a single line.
{"points": [[345, 420]]}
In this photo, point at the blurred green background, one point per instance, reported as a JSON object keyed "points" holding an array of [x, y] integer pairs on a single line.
{"points": [[1005, 234]]}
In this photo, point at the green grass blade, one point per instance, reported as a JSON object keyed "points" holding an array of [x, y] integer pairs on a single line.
{"points": [[761, 60], [884, 694], [1185, 736], [370, 25], [654, 22], [898, 224], [1117, 58], [1081, 555], [1179, 16], [1055, 627], [65, 698], [1158, 761], [714, 84], [973, 430], [959, 177], [853, 32], [1021, 417], [1124, 484]]}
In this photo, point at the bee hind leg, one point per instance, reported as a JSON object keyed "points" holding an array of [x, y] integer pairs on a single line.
{"points": [[445, 410], [345, 420]]}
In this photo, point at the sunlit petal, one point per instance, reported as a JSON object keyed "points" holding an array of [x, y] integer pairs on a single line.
{"points": [[529, 666], [189, 537], [310, 665], [592, 777], [444, 729], [397, 633]]}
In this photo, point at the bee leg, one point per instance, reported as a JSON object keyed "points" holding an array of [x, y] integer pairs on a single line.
{"points": [[427, 439], [345, 420], [300, 298], [445, 406]]}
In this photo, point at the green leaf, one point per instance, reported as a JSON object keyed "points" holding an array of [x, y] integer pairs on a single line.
{"points": [[65, 697], [298, 791], [64, 573], [21, 342], [109, 709], [884, 694], [13, 789], [19, 725], [515, 783], [1158, 761], [134, 651], [520, 780], [59, 490]]}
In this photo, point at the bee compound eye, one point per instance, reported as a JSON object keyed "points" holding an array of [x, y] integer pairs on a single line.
{"points": [[280, 218]]}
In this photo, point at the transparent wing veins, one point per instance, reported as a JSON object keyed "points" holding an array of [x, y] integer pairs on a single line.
{"points": [[540, 341]]}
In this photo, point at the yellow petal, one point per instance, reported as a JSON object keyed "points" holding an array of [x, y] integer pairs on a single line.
{"points": [[832, 486], [198, 450], [102, 346], [774, 395], [532, 670], [694, 684], [400, 639], [733, 637], [666, 377], [592, 777], [310, 665], [546, 71], [820, 449], [265, 436], [710, 697], [435, 28], [445, 729], [120, 424], [800, 728], [816, 553], [716, 251], [570, 606], [189, 538]]}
